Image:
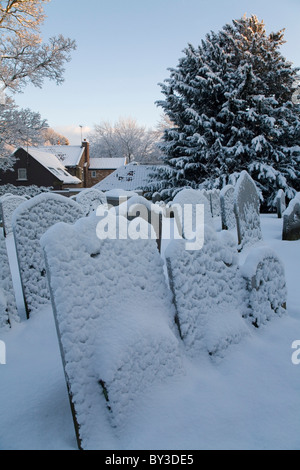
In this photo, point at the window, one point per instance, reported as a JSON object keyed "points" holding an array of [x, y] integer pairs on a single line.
{"points": [[94, 174], [22, 174]]}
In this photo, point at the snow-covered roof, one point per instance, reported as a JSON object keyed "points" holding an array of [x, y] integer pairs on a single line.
{"points": [[106, 163], [129, 177], [68, 155], [52, 164]]}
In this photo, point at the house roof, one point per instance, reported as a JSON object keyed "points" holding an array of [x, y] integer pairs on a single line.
{"points": [[106, 163], [129, 178], [68, 155], [52, 164]]}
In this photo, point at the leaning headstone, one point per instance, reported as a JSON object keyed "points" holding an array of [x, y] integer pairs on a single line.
{"points": [[280, 203], [90, 199], [30, 221], [266, 288], [115, 328], [208, 293], [8, 307], [227, 208], [291, 221], [8, 205], [247, 211], [185, 206]]}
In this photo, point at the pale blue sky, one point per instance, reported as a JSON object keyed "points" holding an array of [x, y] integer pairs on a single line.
{"points": [[124, 48]]}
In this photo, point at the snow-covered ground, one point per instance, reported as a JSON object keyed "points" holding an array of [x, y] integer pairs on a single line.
{"points": [[250, 399]]}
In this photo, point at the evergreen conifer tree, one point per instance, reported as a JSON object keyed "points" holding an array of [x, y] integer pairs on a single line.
{"points": [[230, 100]]}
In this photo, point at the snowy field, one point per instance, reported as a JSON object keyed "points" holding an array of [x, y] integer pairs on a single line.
{"points": [[248, 400]]}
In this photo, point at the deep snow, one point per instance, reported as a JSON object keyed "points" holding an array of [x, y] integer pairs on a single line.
{"points": [[247, 400]]}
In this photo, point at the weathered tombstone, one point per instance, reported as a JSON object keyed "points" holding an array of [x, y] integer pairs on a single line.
{"points": [[291, 221], [30, 221], [185, 207], [116, 197], [8, 204], [8, 309], [227, 208], [247, 211], [264, 274], [90, 199], [140, 207], [208, 293], [115, 328], [280, 203]]}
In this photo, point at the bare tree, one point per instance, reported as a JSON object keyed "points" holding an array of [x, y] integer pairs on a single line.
{"points": [[51, 137], [23, 57], [18, 127], [124, 139]]}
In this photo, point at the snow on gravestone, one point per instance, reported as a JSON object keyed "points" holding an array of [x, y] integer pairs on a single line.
{"points": [[184, 206], [246, 209], [139, 207], [116, 327], [90, 199], [8, 205], [291, 221], [280, 203], [208, 293], [8, 308], [266, 285], [214, 196], [227, 207], [30, 221]]}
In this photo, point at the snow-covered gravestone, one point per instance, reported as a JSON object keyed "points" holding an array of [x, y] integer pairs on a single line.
{"points": [[214, 195], [8, 205], [8, 308], [139, 207], [227, 207], [115, 322], [30, 221], [208, 293], [280, 203], [90, 199], [264, 274], [247, 211], [191, 211], [291, 221]]}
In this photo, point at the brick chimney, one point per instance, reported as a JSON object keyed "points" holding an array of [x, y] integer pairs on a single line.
{"points": [[86, 146]]}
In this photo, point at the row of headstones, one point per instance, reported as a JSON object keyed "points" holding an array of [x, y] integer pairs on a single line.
{"points": [[28, 219], [239, 207], [34, 217], [121, 329]]}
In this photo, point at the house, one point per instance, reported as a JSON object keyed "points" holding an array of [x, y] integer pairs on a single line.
{"points": [[78, 162], [75, 159], [131, 177], [39, 168], [101, 168]]}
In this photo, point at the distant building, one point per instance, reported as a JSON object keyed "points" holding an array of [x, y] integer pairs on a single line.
{"points": [[131, 177], [35, 167], [75, 159], [101, 168], [78, 162]]}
